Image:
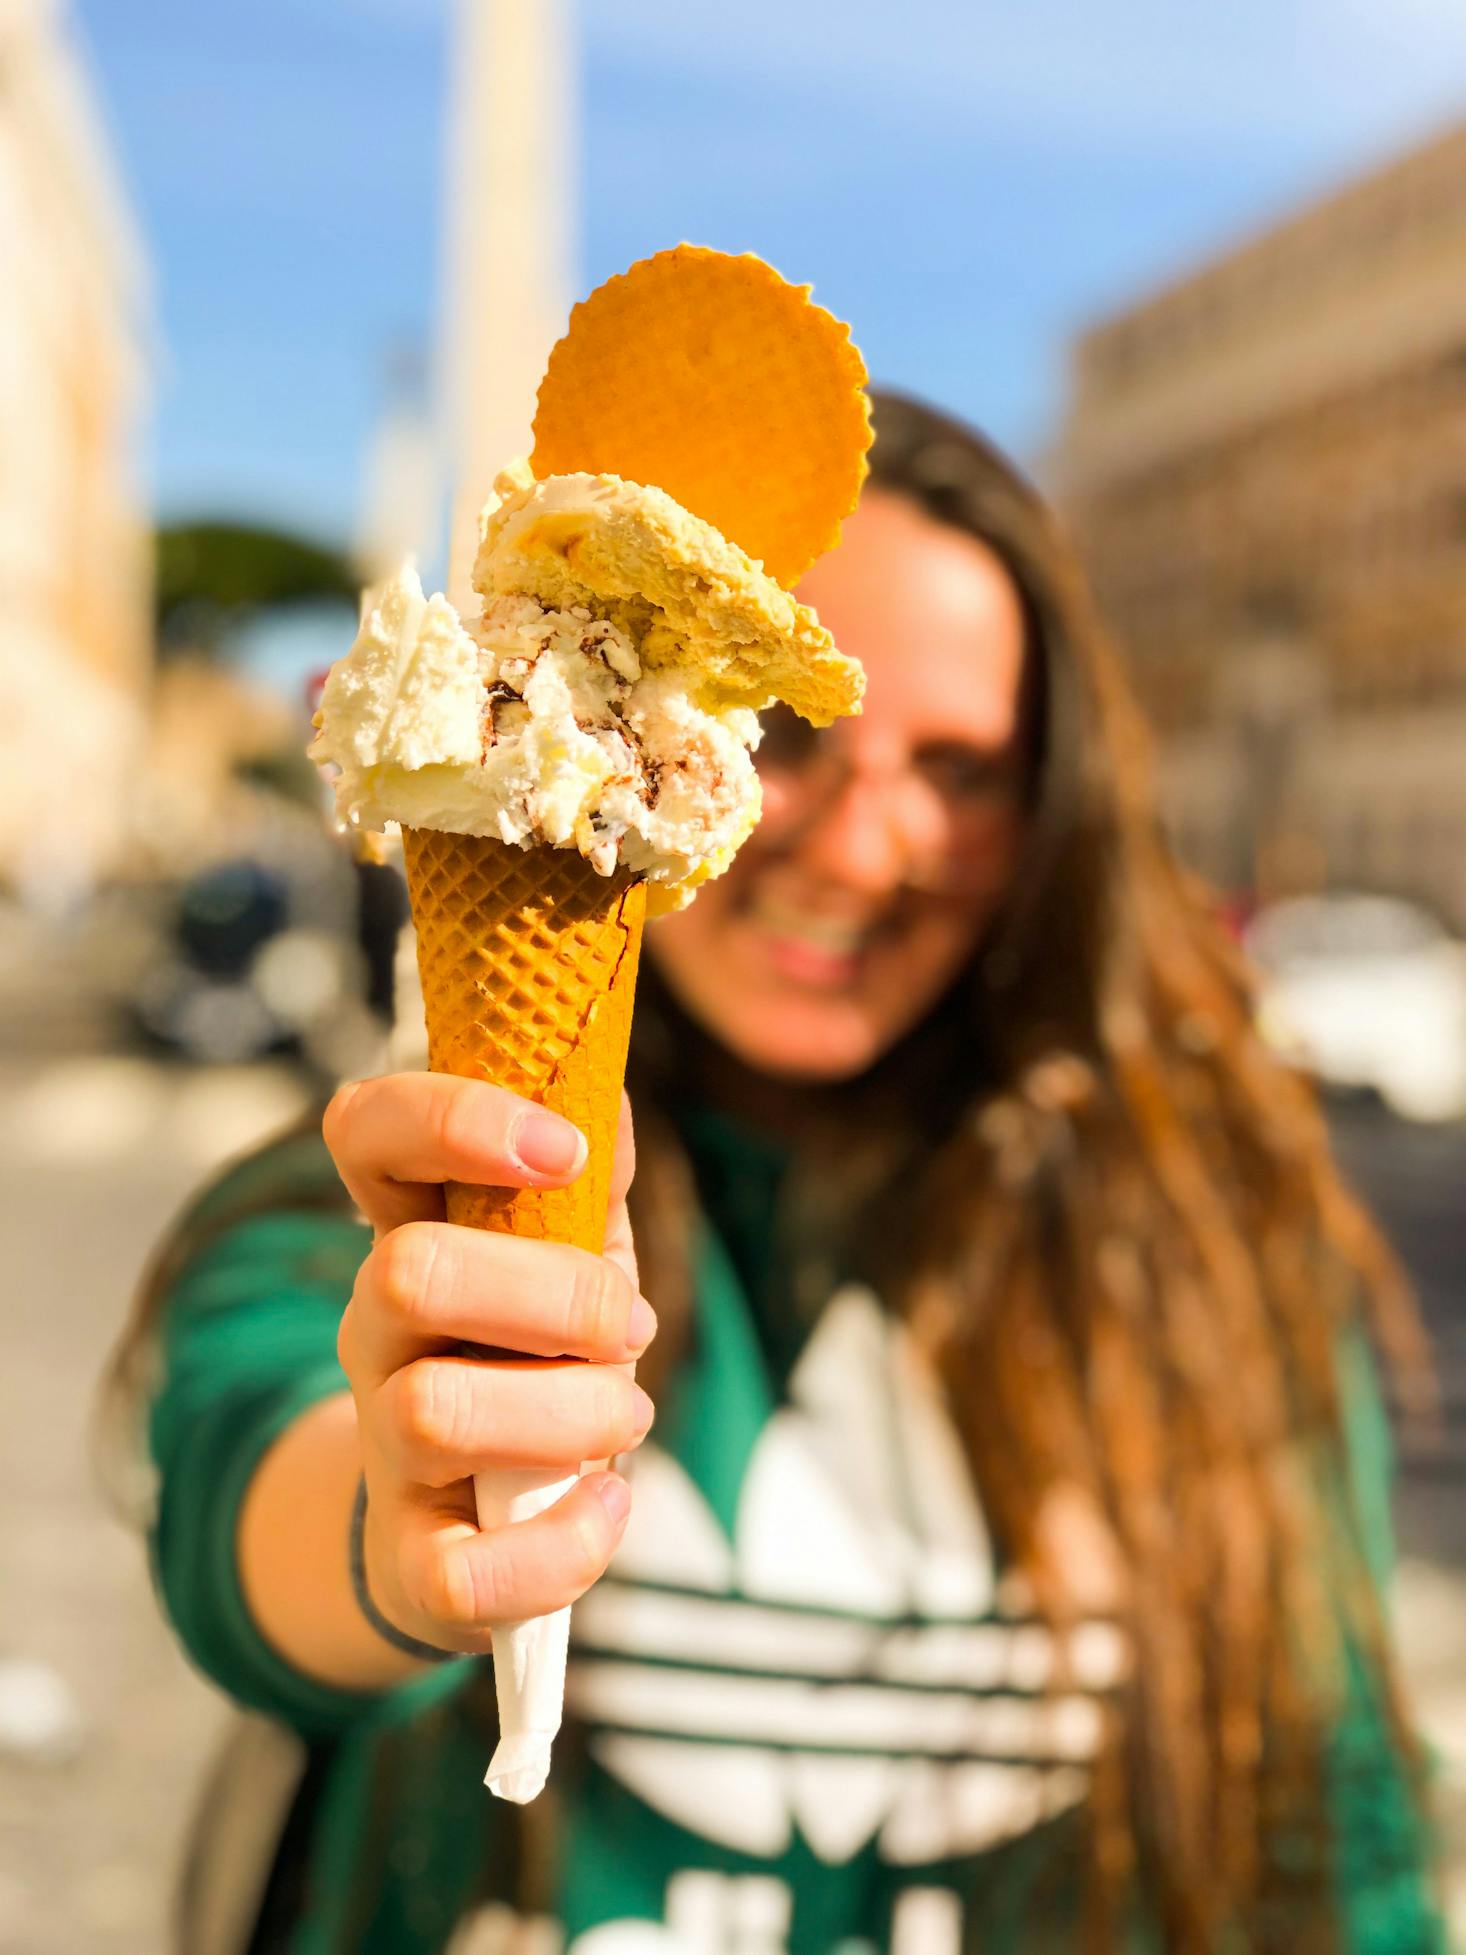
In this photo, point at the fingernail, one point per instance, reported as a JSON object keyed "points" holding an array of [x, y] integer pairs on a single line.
{"points": [[641, 1325], [643, 1411], [615, 1496], [546, 1144]]}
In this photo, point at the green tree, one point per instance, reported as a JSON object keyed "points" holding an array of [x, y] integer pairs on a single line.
{"points": [[212, 577]]}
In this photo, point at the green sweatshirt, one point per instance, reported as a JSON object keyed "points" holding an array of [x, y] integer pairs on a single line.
{"points": [[806, 1714]]}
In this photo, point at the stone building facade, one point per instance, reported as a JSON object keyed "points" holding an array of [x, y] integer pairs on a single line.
{"points": [[75, 624], [1266, 468]]}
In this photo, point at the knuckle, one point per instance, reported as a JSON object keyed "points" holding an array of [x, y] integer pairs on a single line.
{"points": [[614, 1414], [599, 1304], [334, 1120], [463, 1586], [405, 1262], [429, 1410], [463, 1121]]}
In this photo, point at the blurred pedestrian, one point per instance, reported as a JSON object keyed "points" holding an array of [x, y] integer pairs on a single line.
{"points": [[1004, 1570]]}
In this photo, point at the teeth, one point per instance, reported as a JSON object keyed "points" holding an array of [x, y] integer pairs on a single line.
{"points": [[834, 936]]}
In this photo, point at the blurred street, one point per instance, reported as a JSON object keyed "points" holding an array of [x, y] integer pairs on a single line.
{"points": [[96, 1150], [101, 1747]]}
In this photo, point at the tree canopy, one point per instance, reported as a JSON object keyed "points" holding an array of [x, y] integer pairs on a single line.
{"points": [[211, 576]]}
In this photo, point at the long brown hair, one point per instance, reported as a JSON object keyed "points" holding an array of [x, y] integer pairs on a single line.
{"points": [[1120, 1238]]}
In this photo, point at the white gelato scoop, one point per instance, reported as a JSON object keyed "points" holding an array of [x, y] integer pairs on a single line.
{"points": [[605, 699]]}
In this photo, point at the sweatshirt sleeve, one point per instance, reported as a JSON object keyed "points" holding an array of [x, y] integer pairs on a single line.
{"points": [[1384, 1847], [247, 1341]]}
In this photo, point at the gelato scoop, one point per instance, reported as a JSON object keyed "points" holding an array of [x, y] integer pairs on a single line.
{"points": [[605, 699]]}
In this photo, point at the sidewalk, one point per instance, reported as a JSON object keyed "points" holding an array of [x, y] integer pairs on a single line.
{"points": [[96, 1152]]}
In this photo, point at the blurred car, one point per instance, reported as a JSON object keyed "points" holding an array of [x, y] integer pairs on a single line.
{"points": [[208, 991], [285, 949], [1366, 992]]}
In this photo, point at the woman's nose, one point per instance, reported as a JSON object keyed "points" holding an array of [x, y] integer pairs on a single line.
{"points": [[854, 837]]}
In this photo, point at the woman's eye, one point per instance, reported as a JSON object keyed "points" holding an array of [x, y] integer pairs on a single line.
{"points": [[962, 773]]}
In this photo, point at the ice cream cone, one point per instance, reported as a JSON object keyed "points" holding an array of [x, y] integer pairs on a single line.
{"points": [[699, 437], [528, 960]]}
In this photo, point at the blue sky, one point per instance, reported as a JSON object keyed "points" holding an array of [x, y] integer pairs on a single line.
{"points": [[966, 180]]}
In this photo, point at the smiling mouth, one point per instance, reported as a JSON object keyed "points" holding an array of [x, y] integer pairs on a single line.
{"points": [[826, 952]]}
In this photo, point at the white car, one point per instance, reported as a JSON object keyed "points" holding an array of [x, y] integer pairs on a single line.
{"points": [[1366, 991]]}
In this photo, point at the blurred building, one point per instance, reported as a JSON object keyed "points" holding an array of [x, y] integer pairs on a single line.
{"points": [[508, 227], [74, 576], [398, 515], [1266, 468]]}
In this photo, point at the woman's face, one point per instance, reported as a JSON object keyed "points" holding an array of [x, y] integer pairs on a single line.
{"points": [[887, 841]]}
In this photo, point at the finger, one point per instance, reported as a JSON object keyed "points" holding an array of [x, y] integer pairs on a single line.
{"points": [[443, 1419], [395, 1140], [620, 1249], [432, 1285], [461, 1582], [623, 1165]]}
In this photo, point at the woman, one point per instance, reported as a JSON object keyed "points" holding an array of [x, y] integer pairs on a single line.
{"points": [[1003, 1569]]}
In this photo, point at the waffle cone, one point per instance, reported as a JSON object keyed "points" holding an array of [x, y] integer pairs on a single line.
{"points": [[711, 377], [528, 960]]}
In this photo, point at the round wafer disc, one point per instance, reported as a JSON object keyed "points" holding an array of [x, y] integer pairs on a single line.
{"points": [[712, 378]]}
